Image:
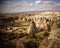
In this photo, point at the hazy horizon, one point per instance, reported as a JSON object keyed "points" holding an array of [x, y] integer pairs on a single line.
{"points": [[13, 6]]}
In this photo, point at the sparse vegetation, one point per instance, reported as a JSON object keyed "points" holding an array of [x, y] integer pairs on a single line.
{"points": [[31, 44], [30, 29], [46, 34]]}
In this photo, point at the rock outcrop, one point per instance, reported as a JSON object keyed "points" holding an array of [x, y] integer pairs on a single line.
{"points": [[55, 34], [54, 26], [32, 29], [53, 41]]}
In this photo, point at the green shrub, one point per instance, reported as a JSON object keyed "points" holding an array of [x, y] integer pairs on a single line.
{"points": [[31, 44], [46, 34]]}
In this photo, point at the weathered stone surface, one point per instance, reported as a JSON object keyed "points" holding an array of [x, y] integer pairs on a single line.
{"points": [[54, 26], [32, 29], [54, 44], [53, 41], [54, 34]]}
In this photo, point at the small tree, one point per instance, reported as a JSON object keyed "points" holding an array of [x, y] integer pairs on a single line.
{"points": [[46, 34]]}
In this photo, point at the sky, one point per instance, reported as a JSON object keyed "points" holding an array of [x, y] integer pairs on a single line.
{"points": [[12, 6]]}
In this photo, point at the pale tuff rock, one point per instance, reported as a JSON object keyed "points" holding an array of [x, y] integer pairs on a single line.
{"points": [[54, 44], [54, 26], [32, 29], [53, 41], [54, 34], [42, 25]]}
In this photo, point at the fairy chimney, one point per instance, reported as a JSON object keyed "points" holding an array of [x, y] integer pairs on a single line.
{"points": [[32, 28]]}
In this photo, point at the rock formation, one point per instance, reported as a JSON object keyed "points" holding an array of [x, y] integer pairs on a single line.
{"points": [[54, 34], [32, 29], [54, 26], [53, 41]]}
